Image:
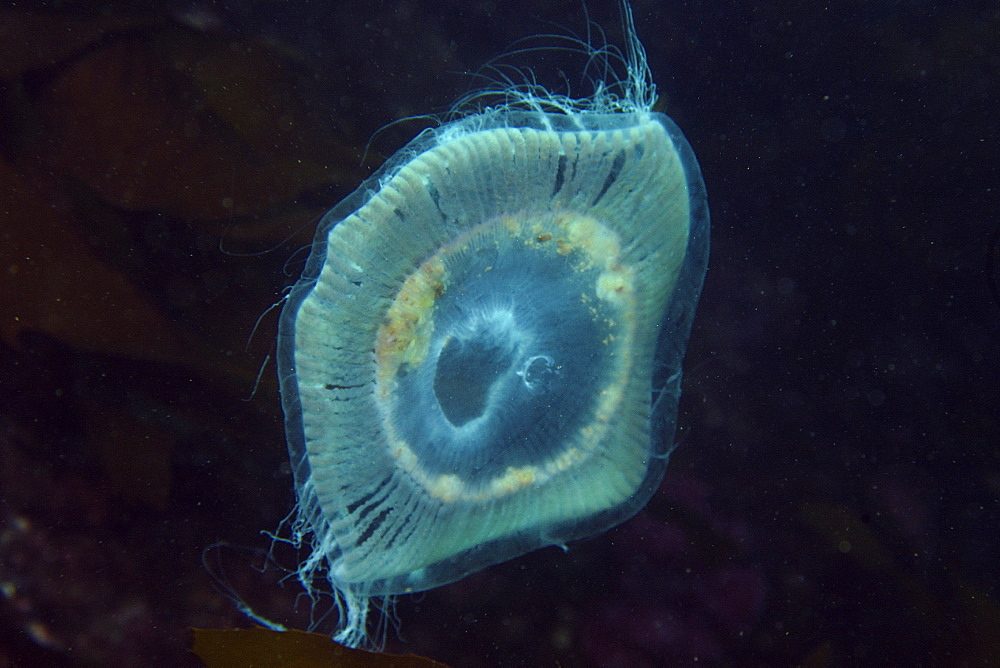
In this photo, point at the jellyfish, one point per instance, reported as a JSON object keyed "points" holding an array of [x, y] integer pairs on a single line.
{"points": [[482, 356]]}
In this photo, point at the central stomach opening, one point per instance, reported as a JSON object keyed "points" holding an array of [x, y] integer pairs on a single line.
{"points": [[466, 371]]}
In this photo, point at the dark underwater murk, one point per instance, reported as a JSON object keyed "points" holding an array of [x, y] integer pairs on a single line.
{"points": [[833, 498]]}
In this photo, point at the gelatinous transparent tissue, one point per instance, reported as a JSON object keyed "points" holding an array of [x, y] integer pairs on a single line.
{"points": [[483, 354]]}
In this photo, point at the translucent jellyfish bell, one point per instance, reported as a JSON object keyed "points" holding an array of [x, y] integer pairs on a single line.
{"points": [[482, 357]]}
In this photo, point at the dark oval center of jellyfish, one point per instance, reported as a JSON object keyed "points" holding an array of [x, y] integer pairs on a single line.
{"points": [[468, 370], [515, 365]]}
